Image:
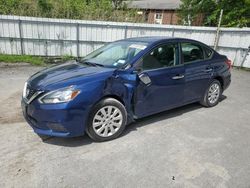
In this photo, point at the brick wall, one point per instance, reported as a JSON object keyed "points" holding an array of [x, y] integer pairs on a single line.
{"points": [[170, 17], [199, 20], [151, 16]]}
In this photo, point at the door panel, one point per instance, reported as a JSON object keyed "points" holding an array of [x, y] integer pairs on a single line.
{"points": [[197, 77], [164, 92], [160, 84], [197, 71]]}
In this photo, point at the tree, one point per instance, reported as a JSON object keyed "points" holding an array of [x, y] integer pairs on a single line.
{"points": [[191, 9], [45, 7], [109, 10], [8, 6], [236, 12]]}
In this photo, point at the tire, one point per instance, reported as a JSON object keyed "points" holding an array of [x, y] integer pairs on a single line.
{"points": [[211, 99], [107, 120]]}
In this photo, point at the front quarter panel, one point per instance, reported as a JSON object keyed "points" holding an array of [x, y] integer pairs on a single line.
{"points": [[119, 85], [73, 115], [122, 85]]}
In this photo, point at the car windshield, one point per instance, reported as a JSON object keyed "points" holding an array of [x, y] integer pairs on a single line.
{"points": [[114, 54]]}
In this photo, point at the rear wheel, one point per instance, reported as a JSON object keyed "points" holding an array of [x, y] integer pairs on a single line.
{"points": [[212, 94], [107, 120]]}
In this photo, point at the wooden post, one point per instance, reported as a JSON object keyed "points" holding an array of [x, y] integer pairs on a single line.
{"points": [[77, 40], [216, 41], [21, 36], [245, 57], [125, 31]]}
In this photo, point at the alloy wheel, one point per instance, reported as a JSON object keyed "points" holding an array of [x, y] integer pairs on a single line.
{"points": [[107, 121], [213, 93]]}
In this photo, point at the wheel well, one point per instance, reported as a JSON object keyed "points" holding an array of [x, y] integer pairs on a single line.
{"points": [[105, 97], [220, 80], [115, 97]]}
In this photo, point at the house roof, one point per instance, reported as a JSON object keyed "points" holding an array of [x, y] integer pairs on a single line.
{"points": [[155, 4]]}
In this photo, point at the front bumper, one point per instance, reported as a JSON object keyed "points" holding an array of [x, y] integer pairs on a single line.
{"points": [[61, 120]]}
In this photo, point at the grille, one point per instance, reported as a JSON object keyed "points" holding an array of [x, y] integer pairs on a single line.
{"points": [[30, 92]]}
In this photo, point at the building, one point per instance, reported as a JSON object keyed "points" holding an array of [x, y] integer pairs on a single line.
{"points": [[157, 11]]}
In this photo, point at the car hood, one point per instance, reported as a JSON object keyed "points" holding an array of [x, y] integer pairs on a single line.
{"points": [[69, 72]]}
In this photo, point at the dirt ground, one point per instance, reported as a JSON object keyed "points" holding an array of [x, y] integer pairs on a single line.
{"points": [[12, 78], [190, 146]]}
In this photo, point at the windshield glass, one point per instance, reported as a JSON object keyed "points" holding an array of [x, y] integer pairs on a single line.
{"points": [[115, 54]]}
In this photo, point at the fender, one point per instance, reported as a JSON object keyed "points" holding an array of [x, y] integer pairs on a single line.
{"points": [[122, 84]]}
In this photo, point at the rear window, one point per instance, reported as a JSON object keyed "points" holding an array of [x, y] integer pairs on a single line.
{"points": [[208, 53], [191, 52]]}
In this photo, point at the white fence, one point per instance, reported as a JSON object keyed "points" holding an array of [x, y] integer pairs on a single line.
{"points": [[57, 37]]}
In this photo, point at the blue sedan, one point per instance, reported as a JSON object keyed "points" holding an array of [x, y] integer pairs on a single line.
{"points": [[121, 82]]}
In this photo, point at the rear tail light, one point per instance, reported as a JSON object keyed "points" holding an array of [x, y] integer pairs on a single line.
{"points": [[229, 63]]}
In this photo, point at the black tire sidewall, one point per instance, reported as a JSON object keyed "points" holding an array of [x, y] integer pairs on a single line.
{"points": [[106, 102]]}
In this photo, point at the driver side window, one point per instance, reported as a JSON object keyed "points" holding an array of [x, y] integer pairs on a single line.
{"points": [[162, 56]]}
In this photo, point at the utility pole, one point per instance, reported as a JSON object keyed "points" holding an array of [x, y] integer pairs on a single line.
{"points": [[216, 41]]}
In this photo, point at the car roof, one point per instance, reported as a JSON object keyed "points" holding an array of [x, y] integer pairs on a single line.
{"points": [[149, 39]]}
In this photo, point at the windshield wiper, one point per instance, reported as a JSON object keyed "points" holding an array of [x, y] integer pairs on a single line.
{"points": [[98, 64], [91, 63]]}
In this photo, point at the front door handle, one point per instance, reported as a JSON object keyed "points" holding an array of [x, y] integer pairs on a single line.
{"points": [[177, 77]]}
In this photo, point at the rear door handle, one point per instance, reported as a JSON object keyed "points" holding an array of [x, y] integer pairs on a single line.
{"points": [[208, 70], [177, 77]]}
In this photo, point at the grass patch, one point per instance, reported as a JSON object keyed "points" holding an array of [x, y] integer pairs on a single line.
{"points": [[245, 68], [34, 60], [67, 57], [242, 68]]}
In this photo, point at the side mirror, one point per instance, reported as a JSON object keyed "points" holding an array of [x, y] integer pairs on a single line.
{"points": [[145, 78]]}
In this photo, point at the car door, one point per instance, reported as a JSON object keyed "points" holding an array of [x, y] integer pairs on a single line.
{"points": [[160, 80], [198, 70]]}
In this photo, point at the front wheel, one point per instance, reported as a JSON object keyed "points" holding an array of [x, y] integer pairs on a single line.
{"points": [[107, 120], [212, 94]]}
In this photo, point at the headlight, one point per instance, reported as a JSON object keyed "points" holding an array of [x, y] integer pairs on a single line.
{"points": [[59, 96], [25, 90]]}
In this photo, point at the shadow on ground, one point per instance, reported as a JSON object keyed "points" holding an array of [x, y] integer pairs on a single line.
{"points": [[85, 140]]}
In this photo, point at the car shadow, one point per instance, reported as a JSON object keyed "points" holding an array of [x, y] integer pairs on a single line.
{"points": [[85, 140], [169, 114], [67, 142]]}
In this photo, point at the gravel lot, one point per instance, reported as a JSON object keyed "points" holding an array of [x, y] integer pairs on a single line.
{"points": [[190, 146]]}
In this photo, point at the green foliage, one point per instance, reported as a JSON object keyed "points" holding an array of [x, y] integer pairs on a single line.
{"points": [[8, 6], [21, 59], [45, 7], [191, 9], [109, 10], [67, 57], [236, 12]]}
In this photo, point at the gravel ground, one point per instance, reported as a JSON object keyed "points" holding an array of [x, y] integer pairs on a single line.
{"points": [[190, 146]]}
